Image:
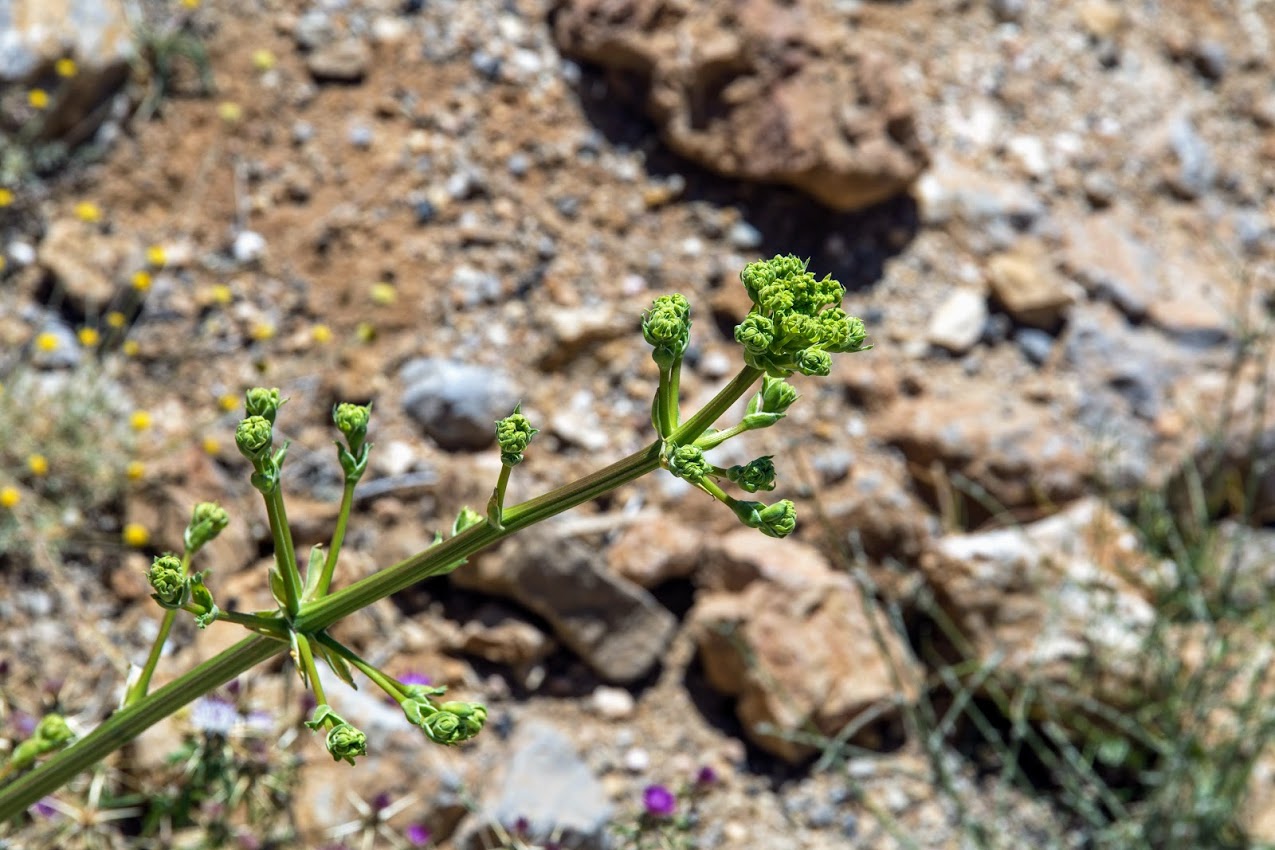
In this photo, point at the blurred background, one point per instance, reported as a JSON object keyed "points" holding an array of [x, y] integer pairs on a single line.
{"points": [[1029, 600]]}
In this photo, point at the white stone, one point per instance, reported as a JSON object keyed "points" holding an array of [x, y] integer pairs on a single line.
{"points": [[249, 247], [613, 703], [958, 322]]}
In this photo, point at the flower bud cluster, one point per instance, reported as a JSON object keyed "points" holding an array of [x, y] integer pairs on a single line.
{"points": [[352, 421], [796, 323], [51, 733], [667, 328], [513, 434], [207, 521], [450, 723]]}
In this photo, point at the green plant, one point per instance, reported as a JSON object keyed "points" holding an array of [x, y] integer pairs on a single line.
{"points": [[806, 327]]}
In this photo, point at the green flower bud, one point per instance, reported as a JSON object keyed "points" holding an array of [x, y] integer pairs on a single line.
{"points": [[351, 420], [688, 462], [454, 722], [345, 742], [467, 517], [513, 434], [777, 520], [418, 711], [756, 333], [755, 475], [53, 730], [254, 437], [263, 402], [667, 327], [814, 361], [776, 396], [202, 596], [206, 522], [166, 578]]}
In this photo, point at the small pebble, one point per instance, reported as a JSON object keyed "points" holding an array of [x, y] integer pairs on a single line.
{"points": [[485, 64], [248, 247], [518, 164], [744, 236], [302, 132], [637, 760], [613, 703], [1035, 344], [360, 136], [424, 211]]}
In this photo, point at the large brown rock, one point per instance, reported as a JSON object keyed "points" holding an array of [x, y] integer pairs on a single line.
{"points": [[616, 627], [776, 92], [1064, 601], [798, 646]]}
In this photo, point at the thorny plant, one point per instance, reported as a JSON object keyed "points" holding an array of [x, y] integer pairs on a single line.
{"points": [[796, 324]]}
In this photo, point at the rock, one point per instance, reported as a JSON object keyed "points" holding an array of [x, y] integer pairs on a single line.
{"points": [[98, 36], [1063, 601], [343, 61], [953, 192], [616, 627], [612, 703], [1035, 344], [83, 261], [1111, 262], [457, 404], [576, 331], [1022, 455], [498, 635], [958, 322], [1194, 171], [1026, 285], [802, 652], [875, 512], [768, 91], [546, 783], [248, 247], [654, 549]]}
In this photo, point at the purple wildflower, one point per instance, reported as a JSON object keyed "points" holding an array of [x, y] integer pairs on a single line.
{"points": [[382, 800], [43, 809], [706, 776], [522, 827], [419, 835], [659, 801], [415, 678], [214, 716]]}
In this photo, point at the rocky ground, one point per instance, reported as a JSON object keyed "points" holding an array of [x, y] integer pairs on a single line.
{"points": [[1057, 221]]}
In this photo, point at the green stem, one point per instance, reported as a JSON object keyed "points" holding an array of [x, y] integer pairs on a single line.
{"points": [[496, 505], [663, 413], [269, 626], [715, 439], [285, 556], [305, 657], [385, 683], [334, 550], [321, 613], [674, 395], [127, 723], [143, 683]]}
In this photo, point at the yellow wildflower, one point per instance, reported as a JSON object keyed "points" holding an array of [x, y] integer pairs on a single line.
{"points": [[39, 465], [221, 294], [321, 334], [88, 211], [9, 497], [141, 280], [384, 294], [262, 331], [130, 348], [47, 341], [135, 470], [135, 535], [366, 332], [155, 256], [228, 402], [6, 196], [65, 67], [140, 420], [89, 337], [262, 60], [211, 445], [190, 4], [38, 98], [230, 112], [116, 319]]}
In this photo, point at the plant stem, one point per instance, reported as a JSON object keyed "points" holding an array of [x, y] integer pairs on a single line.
{"points": [[334, 550], [496, 505], [285, 556], [143, 683], [382, 681], [318, 615], [127, 723], [305, 658]]}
